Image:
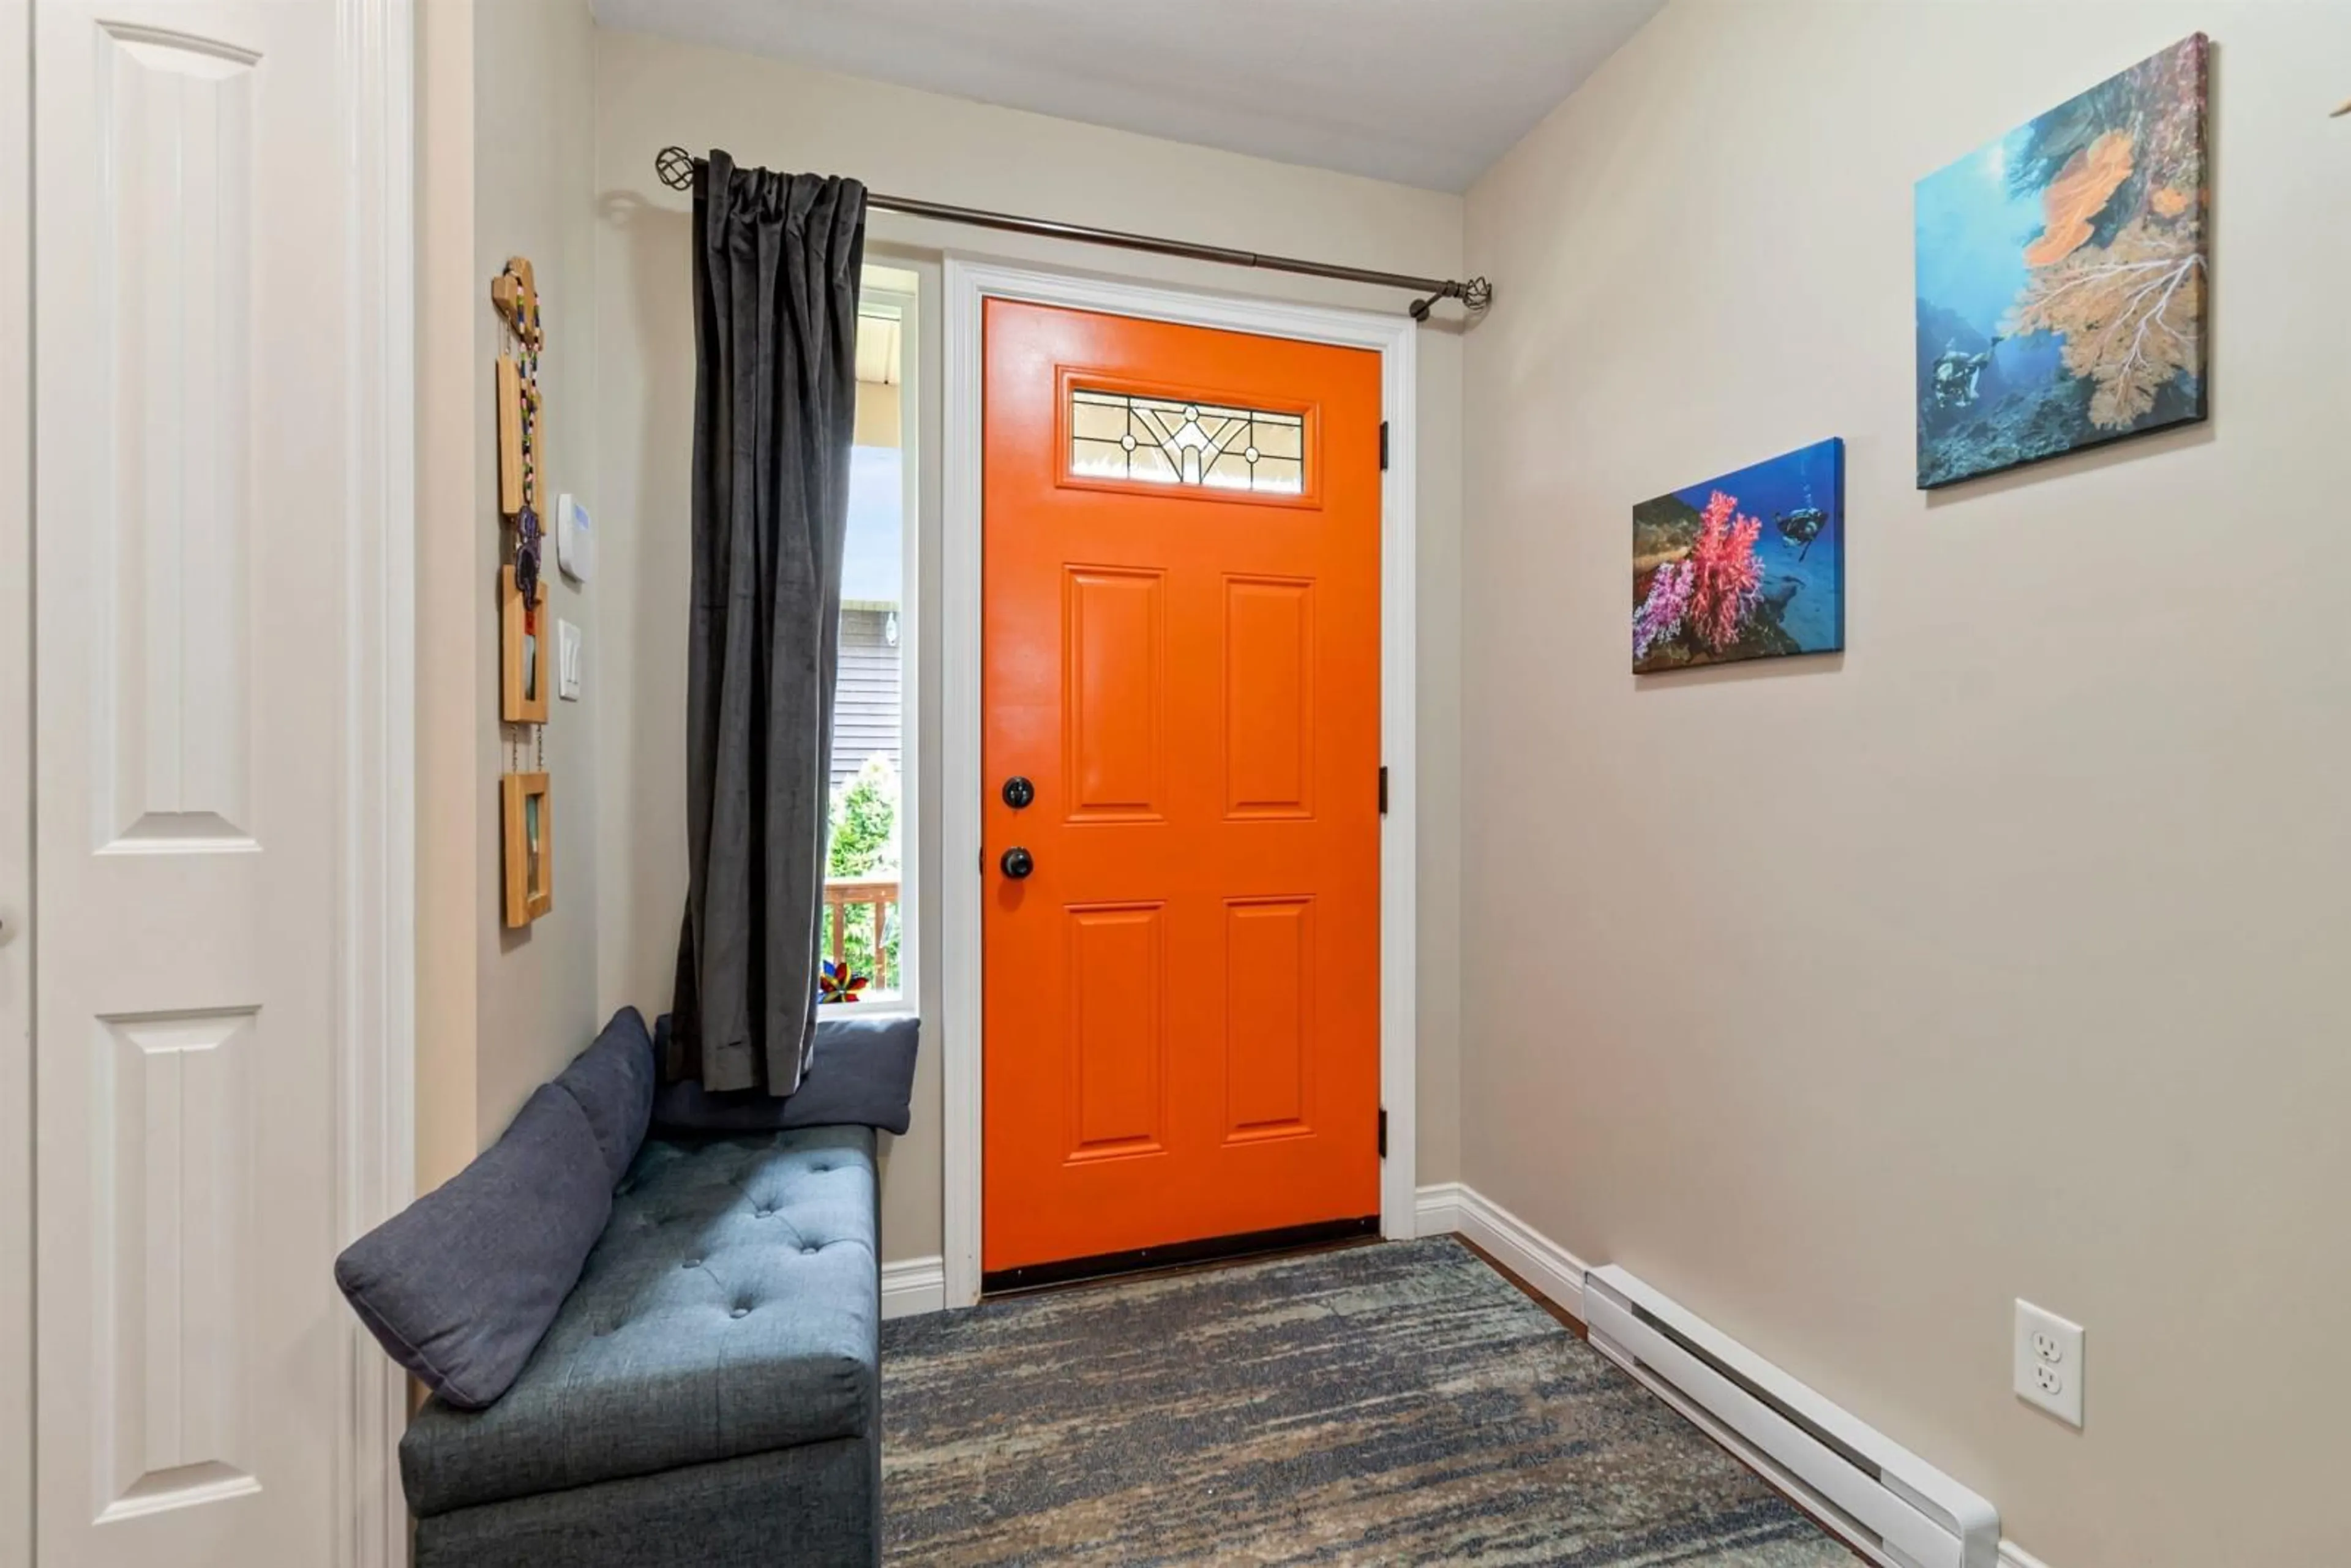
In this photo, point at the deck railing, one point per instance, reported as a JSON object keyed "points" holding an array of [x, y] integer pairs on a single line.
{"points": [[877, 894]]}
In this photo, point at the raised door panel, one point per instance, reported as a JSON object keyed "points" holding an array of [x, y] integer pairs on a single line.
{"points": [[174, 350], [1269, 697], [1269, 972], [174, 1130], [1113, 693], [1117, 1030]]}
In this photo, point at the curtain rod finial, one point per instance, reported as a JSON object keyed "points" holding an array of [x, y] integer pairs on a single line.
{"points": [[674, 168], [1475, 295]]}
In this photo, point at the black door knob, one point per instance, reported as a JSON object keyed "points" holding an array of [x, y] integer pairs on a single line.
{"points": [[1017, 863], [1019, 792]]}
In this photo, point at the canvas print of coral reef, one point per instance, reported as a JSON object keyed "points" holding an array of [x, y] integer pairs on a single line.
{"points": [[1749, 566], [2062, 273]]}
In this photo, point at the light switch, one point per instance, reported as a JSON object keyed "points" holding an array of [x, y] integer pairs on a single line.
{"points": [[567, 660]]}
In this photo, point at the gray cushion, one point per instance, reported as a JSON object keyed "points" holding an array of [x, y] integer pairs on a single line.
{"points": [[732, 1307], [460, 1285], [862, 1076], [613, 1081]]}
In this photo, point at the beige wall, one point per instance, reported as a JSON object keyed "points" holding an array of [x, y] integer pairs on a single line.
{"points": [[650, 93], [535, 196], [1849, 998], [506, 168], [451, 631]]}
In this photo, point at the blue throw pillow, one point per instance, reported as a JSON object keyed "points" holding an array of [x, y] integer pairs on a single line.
{"points": [[862, 1076], [459, 1286], [613, 1081]]}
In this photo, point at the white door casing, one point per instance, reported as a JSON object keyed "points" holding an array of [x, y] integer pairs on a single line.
{"points": [[15, 794], [223, 545]]}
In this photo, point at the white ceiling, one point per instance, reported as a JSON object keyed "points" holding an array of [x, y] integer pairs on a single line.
{"points": [[1427, 92]]}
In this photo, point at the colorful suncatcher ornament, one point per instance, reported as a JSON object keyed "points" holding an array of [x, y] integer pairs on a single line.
{"points": [[837, 983]]}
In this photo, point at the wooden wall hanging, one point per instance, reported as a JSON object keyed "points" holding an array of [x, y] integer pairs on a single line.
{"points": [[522, 443], [524, 669], [526, 655], [529, 820]]}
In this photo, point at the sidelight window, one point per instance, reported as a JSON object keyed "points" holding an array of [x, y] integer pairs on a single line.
{"points": [[869, 862]]}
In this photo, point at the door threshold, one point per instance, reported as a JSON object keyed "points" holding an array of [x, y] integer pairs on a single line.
{"points": [[1179, 1257]]}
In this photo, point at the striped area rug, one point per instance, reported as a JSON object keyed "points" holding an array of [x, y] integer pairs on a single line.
{"points": [[1383, 1405]]}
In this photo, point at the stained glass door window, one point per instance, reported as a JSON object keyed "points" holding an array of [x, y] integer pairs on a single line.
{"points": [[1172, 441]]}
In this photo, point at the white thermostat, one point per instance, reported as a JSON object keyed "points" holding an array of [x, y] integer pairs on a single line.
{"points": [[575, 542]]}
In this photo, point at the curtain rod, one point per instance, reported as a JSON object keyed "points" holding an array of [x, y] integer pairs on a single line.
{"points": [[681, 170]]}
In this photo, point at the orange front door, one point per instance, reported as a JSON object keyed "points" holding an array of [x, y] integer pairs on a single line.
{"points": [[1182, 658]]}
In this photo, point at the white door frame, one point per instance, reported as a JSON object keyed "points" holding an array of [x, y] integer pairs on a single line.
{"points": [[375, 1091], [15, 789], [969, 284]]}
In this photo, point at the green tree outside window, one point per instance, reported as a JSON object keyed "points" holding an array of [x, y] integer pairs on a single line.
{"points": [[864, 842]]}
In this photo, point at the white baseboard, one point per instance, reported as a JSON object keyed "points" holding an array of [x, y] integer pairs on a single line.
{"points": [[913, 1285], [1550, 1269], [1437, 1209], [2012, 1555]]}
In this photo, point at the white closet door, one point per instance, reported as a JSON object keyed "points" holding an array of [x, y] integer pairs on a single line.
{"points": [[192, 394]]}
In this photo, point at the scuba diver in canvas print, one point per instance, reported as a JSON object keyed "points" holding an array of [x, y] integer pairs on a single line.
{"points": [[1957, 379], [1801, 528]]}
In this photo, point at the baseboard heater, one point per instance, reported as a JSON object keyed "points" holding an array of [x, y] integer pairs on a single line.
{"points": [[1890, 1502]]}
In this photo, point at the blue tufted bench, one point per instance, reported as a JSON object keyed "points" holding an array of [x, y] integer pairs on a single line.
{"points": [[709, 1393], [644, 1350]]}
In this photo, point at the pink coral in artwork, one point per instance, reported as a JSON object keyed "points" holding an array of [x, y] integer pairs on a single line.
{"points": [[1662, 613], [1727, 575]]}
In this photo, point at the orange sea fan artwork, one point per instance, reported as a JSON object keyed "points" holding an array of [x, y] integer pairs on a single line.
{"points": [[2169, 202], [2078, 193], [2131, 313]]}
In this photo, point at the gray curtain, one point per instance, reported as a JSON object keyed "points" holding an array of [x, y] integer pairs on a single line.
{"points": [[776, 260]]}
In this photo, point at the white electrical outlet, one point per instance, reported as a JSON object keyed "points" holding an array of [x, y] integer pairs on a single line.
{"points": [[2049, 1362]]}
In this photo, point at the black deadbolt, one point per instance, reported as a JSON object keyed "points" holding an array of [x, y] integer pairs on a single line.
{"points": [[1019, 792], [1017, 863]]}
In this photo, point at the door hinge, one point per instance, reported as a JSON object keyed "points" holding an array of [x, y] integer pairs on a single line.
{"points": [[1384, 446], [1384, 1132], [1383, 789]]}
